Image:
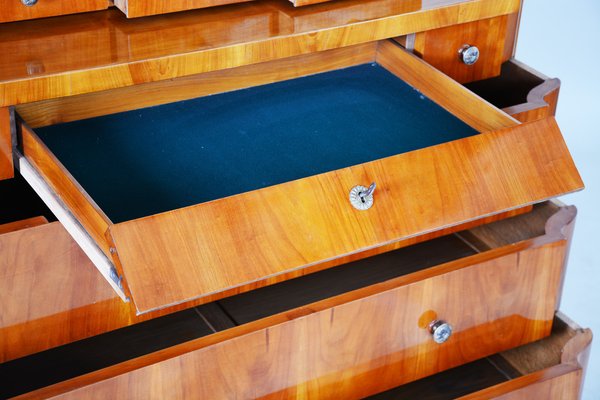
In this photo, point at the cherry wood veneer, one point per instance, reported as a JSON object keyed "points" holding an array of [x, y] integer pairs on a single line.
{"points": [[117, 52], [352, 345], [439, 47], [145, 251], [6, 158], [15, 10], [142, 8]]}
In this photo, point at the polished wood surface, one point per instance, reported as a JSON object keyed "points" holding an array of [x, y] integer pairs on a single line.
{"points": [[91, 52], [342, 347], [23, 224], [520, 91], [159, 272], [446, 92], [65, 109], [6, 156], [144, 265], [439, 47], [99, 308], [142, 8], [71, 193], [48, 287], [50, 292], [553, 368], [541, 100], [15, 10]]}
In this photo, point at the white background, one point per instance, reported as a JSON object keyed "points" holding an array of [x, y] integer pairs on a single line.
{"points": [[562, 39]]}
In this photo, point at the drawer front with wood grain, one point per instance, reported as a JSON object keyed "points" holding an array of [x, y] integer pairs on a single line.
{"points": [[347, 331], [18, 10], [142, 8], [291, 197], [552, 369]]}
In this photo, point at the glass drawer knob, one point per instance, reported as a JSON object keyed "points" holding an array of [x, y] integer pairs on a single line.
{"points": [[440, 331], [29, 3], [469, 54], [361, 197]]}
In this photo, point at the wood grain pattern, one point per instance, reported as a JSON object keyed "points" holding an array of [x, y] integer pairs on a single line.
{"points": [[125, 53], [520, 91], [541, 100], [51, 294], [315, 353], [65, 109], [457, 176], [446, 92], [439, 47], [299, 255], [6, 156], [554, 367], [142, 8], [72, 315], [23, 224], [14, 10], [60, 180]]}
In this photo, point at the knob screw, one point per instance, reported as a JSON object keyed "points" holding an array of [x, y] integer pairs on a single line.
{"points": [[468, 54], [29, 3], [440, 330]]}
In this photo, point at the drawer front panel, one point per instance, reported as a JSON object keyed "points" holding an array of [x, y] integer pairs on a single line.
{"points": [[355, 349], [141, 8], [440, 48], [15, 10]]}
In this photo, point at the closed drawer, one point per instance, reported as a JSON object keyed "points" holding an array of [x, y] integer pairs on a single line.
{"points": [[552, 368], [142, 8], [195, 201], [350, 331], [18, 10]]}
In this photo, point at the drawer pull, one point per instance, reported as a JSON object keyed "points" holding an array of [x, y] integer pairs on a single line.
{"points": [[468, 54], [440, 330], [361, 197], [29, 3]]}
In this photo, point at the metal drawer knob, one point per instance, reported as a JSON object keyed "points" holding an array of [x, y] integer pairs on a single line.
{"points": [[361, 197], [468, 54], [29, 3], [440, 330]]}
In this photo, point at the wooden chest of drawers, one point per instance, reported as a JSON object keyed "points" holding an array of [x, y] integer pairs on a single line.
{"points": [[186, 211]]}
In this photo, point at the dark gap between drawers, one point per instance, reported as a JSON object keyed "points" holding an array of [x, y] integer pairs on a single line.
{"points": [[308, 289], [18, 201], [61, 363], [510, 88], [455, 382]]}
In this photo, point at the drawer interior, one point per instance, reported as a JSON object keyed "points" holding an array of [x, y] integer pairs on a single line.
{"points": [[78, 358], [510, 88], [18, 201], [144, 162]]}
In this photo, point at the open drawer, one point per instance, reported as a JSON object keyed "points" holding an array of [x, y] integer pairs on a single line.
{"points": [[199, 200], [520, 91], [346, 332]]}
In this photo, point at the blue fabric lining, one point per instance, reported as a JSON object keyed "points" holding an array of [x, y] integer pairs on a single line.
{"points": [[142, 162]]}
